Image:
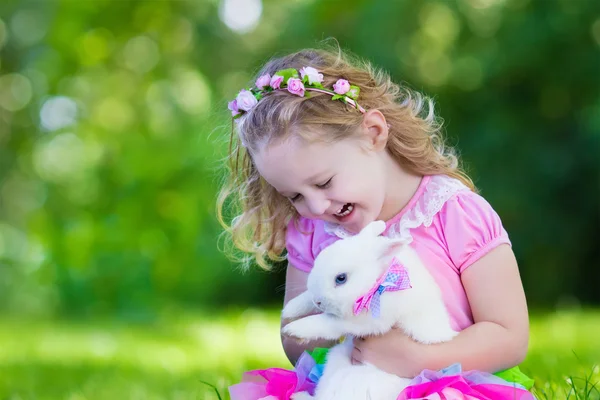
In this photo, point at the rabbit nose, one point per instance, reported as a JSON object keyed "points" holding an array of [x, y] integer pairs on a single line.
{"points": [[318, 303]]}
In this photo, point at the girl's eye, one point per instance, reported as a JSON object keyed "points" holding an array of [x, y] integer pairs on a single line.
{"points": [[325, 185], [341, 279], [295, 198]]}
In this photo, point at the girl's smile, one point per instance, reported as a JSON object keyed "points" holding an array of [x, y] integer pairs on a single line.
{"points": [[345, 182]]}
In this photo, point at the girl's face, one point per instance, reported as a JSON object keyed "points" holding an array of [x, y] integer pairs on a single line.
{"points": [[342, 182]]}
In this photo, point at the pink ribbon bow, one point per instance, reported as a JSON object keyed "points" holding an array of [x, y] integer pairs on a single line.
{"points": [[393, 279]]}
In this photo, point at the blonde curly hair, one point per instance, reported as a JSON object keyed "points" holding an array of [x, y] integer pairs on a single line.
{"points": [[259, 214]]}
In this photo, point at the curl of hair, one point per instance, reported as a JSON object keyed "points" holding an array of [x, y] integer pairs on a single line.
{"points": [[261, 214]]}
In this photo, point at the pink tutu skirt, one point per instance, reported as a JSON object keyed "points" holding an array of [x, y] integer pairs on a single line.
{"points": [[453, 384], [448, 384], [277, 383]]}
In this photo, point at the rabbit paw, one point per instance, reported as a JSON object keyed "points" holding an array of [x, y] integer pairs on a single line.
{"points": [[298, 306], [311, 328], [291, 330]]}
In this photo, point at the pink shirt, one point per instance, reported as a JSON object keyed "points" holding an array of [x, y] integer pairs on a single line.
{"points": [[450, 227]]}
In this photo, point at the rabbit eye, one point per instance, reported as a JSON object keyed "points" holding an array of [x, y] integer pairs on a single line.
{"points": [[340, 279]]}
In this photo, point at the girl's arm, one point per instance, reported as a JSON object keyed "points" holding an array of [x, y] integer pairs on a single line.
{"points": [[500, 335], [295, 284], [498, 339]]}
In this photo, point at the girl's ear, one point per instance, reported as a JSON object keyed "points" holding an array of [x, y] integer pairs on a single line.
{"points": [[376, 128]]}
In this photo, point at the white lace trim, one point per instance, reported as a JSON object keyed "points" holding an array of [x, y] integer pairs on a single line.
{"points": [[438, 190], [336, 230]]}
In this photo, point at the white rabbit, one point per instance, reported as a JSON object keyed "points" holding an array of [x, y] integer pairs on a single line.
{"points": [[343, 273]]}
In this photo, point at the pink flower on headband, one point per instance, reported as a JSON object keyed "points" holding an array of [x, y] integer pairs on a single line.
{"points": [[276, 81], [341, 86], [297, 83], [232, 105], [313, 75], [246, 100], [295, 86], [263, 81]]}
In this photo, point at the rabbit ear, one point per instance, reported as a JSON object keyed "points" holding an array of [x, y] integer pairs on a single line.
{"points": [[393, 246], [375, 228]]}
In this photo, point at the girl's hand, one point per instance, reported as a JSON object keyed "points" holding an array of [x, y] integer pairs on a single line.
{"points": [[393, 352]]}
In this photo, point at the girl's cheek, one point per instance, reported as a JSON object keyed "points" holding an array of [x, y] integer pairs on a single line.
{"points": [[337, 192], [302, 211]]}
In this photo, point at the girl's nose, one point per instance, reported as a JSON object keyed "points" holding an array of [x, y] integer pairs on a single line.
{"points": [[318, 206]]}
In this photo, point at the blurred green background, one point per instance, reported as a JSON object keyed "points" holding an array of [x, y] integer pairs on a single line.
{"points": [[113, 125]]}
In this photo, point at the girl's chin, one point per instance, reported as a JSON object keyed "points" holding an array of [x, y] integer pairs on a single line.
{"points": [[355, 221]]}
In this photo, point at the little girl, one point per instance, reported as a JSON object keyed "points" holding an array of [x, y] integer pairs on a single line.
{"points": [[324, 146]]}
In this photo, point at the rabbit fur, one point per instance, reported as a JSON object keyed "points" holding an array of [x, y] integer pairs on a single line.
{"points": [[363, 258]]}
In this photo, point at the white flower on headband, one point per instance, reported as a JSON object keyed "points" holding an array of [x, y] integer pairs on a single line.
{"points": [[353, 92], [309, 79], [246, 100], [313, 75]]}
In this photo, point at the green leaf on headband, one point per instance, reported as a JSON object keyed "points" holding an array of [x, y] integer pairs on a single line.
{"points": [[317, 85], [305, 80], [353, 92], [287, 74], [258, 96], [337, 97]]}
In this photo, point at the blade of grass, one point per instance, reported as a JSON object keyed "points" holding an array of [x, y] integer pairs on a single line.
{"points": [[214, 388]]}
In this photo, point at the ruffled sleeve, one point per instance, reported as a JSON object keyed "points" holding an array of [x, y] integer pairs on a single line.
{"points": [[299, 242], [471, 228]]}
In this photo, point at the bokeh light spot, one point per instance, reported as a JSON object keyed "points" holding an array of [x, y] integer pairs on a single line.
{"points": [[58, 112], [434, 68], [28, 26], [241, 16], [440, 24], [65, 158], [113, 114], [3, 34], [467, 73], [15, 92], [141, 54], [596, 31], [94, 46], [191, 91], [483, 4]]}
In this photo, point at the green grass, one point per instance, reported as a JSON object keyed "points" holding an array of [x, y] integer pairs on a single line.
{"points": [[170, 358]]}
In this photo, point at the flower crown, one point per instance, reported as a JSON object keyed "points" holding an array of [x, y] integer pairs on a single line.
{"points": [[309, 79]]}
